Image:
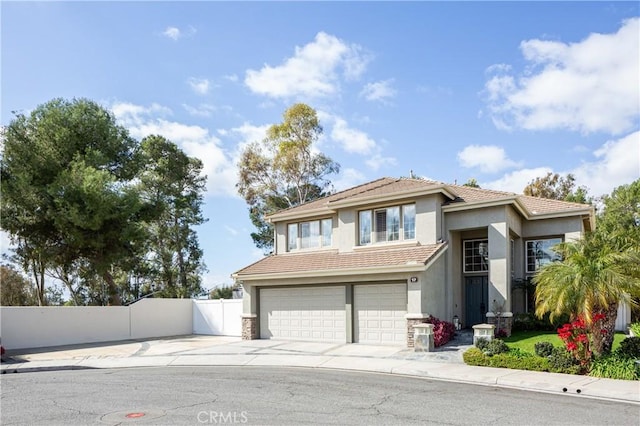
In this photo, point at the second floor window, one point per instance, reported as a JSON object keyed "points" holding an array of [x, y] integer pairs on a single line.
{"points": [[312, 234], [388, 224]]}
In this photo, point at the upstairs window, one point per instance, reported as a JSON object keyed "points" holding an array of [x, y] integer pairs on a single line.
{"points": [[388, 224], [539, 253], [312, 234]]}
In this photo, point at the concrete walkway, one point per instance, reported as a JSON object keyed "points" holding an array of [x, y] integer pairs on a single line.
{"points": [[443, 364]]}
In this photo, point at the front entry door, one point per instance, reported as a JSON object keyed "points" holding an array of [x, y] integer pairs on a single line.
{"points": [[476, 295]]}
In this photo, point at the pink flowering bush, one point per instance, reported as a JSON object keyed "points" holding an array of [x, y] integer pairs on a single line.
{"points": [[443, 331]]}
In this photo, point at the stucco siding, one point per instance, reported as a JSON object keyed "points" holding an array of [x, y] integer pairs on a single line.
{"points": [[345, 236], [552, 227], [434, 290], [428, 220], [480, 218]]}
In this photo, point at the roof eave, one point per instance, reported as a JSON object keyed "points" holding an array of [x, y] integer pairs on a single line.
{"points": [[461, 206], [276, 217], [418, 267]]}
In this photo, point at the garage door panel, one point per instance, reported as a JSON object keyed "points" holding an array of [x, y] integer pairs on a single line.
{"points": [[316, 313], [379, 313]]}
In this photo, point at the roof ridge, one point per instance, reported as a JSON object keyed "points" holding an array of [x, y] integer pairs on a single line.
{"points": [[552, 200], [471, 188], [393, 180]]}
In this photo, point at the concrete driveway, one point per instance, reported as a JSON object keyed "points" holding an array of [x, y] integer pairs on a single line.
{"points": [[443, 364]]}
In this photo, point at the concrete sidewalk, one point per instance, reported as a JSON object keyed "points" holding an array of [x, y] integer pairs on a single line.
{"points": [[443, 364]]}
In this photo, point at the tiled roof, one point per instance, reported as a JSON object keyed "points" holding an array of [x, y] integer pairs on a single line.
{"points": [[386, 186], [332, 260]]}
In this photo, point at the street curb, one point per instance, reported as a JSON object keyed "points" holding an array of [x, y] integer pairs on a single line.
{"points": [[578, 386]]}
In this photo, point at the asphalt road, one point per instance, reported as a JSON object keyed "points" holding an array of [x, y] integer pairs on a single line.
{"points": [[247, 395]]}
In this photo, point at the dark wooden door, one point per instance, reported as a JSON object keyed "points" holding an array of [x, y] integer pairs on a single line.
{"points": [[476, 290]]}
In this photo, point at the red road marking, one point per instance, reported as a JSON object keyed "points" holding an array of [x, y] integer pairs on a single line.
{"points": [[134, 415]]}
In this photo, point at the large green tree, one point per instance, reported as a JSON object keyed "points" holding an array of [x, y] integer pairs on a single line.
{"points": [[620, 216], [557, 187], [171, 182], [283, 170], [67, 169]]}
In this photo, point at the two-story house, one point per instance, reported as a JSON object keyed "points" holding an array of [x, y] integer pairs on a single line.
{"points": [[366, 264]]}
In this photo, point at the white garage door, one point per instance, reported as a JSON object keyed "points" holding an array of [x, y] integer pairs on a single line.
{"points": [[380, 313], [316, 313]]}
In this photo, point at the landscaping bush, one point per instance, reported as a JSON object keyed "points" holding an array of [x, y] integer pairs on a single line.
{"points": [[543, 349], [530, 322], [516, 359], [629, 348], [615, 366], [443, 331], [561, 361], [482, 343], [495, 347], [635, 328]]}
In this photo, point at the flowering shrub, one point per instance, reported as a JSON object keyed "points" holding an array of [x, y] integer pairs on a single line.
{"points": [[501, 333], [443, 331], [575, 336]]}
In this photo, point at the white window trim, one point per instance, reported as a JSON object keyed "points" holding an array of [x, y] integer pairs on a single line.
{"points": [[321, 246], [373, 234]]}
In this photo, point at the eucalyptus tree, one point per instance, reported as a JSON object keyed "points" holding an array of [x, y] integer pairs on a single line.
{"points": [[283, 170], [557, 187]]}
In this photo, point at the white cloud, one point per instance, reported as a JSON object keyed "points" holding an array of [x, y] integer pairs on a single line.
{"points": [[488, 158], [356, 141], [313, 71], [350, 139], [231, 77], [378, 91], [348, 178], [200, 86], [588, 86], [202, 110], [196, 141], [377, 161], [617, 162], [173, 33], [517, 180]]}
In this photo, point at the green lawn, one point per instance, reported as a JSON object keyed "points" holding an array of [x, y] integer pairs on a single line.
{"points": [[526, 340]]}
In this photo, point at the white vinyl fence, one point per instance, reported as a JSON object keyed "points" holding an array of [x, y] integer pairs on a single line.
{"points": [[33, 327], [217, 317]]}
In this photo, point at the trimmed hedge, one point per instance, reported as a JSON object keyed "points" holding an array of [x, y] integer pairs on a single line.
{"points": [[513, 359]]}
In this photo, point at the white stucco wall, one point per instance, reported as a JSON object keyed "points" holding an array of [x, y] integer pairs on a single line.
{"points": [[34, 327]]}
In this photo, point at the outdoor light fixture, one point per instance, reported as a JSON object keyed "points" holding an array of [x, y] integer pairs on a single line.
{"points": [[456, 322]]}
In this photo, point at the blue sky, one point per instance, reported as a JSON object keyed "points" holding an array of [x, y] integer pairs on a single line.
{"points": [[502, 92]]}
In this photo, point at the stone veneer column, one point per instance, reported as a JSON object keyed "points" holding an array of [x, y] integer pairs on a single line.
{"points": [[411, 321], [506, 321], [249, 326]]}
